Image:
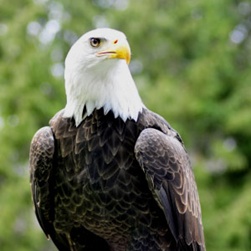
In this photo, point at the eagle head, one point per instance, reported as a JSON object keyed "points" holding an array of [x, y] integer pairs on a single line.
{"points": [[97, 76]]}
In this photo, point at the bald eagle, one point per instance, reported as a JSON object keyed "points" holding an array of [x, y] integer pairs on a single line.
{"points": [[107, 173]]}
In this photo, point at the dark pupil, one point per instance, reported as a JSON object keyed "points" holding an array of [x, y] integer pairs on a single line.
{"points": [[95, 41]]}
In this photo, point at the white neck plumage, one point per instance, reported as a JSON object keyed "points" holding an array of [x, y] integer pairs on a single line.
{"points": [[94, 88]]}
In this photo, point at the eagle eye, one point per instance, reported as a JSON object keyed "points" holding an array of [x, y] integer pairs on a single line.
{"points": [[95, 42]]}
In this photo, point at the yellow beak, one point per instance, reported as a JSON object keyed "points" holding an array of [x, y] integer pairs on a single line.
{"points": [[117, 50]]}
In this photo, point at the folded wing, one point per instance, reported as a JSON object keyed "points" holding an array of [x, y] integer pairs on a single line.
{"points": [[171, 180]]}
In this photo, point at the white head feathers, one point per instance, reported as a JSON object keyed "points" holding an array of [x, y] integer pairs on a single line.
{"points": [[97, 75]]}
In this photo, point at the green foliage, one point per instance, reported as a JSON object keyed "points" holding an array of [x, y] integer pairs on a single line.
{"points": [[191, 62]]}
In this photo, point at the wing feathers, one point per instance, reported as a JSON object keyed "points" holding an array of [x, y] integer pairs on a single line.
{"points": [[41, 154], [170, 178]]}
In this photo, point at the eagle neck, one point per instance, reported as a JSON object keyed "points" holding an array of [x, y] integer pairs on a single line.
{"points": [[113, 90]]}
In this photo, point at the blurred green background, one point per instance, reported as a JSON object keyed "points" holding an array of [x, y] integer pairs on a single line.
{"points": [[191, 61]]}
